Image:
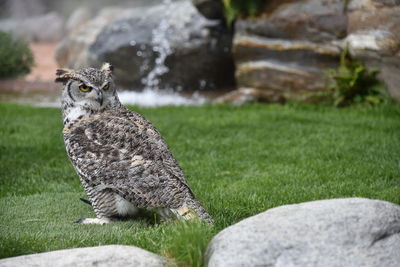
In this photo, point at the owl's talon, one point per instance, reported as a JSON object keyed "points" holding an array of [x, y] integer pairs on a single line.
{"points": [[80, 220], [100, 221]]}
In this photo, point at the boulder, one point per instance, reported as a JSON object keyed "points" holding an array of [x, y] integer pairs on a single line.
{"points": [[112, 255], [287, 50], [174, 48], [162, 46], [335, 232]]}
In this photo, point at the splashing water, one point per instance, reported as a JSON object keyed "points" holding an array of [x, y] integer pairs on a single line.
{"points": [[152, 98], [161, 40], [162, 46]]}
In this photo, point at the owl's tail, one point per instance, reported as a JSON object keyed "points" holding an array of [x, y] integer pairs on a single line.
{"points": [[192, 210]]}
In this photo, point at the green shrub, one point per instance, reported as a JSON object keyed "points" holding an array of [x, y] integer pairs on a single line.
{"points": [[353, 83], [235, 8], [15, 57]]}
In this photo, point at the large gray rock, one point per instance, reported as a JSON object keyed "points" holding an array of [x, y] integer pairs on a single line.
{"points": [[195, 52], [336, 232], [112, 255], [192, 52]]}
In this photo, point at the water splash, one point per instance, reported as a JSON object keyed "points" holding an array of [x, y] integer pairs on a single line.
{"points": [[171, 28], [161, 45], [157, 98]]}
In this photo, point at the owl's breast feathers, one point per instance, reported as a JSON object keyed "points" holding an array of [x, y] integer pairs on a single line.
{"points": [[120, 150]]}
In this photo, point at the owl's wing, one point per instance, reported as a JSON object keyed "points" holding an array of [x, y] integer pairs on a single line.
{"points": [[122, 151]]}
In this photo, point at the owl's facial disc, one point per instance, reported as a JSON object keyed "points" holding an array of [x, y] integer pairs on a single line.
{"points": [[91, 92]]}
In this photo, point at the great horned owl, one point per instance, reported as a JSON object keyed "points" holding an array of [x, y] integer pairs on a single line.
{"points": [[122, 160]]}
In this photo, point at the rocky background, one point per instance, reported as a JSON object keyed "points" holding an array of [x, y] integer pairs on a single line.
{"points": [[281, 54], [287, 49]]}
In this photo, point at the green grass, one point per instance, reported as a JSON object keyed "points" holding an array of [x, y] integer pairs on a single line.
{"points": [[238, 161]]}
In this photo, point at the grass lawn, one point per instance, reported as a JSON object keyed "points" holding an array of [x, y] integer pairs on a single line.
{"points": [[238, 161]]}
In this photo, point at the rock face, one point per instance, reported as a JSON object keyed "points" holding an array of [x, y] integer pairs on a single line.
{"points": [[307, 20], [337, 232], [287, 50], [113, 255], [191, 51], [374, 38], [289, 69]]}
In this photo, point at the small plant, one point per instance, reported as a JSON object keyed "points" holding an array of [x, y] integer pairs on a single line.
{"points": [[15, 57], [353, 83], [235, 8]]}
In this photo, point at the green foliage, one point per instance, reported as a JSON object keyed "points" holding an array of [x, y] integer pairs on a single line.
{"points": [[235, 8], [15, 57], [353, 83], [238, 161]]}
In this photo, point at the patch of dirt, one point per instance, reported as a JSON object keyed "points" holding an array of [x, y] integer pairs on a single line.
{"points": [[45, 64], [42, 75]]}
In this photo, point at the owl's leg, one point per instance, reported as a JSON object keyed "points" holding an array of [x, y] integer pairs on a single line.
{"points": [[101, 221], [105, 205]]}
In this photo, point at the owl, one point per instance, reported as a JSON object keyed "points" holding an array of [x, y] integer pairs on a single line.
{"points": [[123, 162]]}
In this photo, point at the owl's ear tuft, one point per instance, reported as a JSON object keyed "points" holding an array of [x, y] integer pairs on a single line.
{"points": [[63, 75], [107, 67]]}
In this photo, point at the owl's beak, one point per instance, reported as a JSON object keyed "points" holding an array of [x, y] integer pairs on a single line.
{"points": [[100, 98]]}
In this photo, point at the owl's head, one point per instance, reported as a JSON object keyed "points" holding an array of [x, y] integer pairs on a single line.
{"points": [[90, 88]]}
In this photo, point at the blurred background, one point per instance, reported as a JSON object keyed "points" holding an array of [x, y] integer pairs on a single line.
{"points": [[171, 52]]}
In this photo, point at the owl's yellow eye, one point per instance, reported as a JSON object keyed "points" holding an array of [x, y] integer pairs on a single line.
{"points": [[105, 87], [85, 88]]}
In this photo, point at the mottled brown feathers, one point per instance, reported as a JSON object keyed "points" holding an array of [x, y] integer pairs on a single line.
{"points": [[122, 160]]}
